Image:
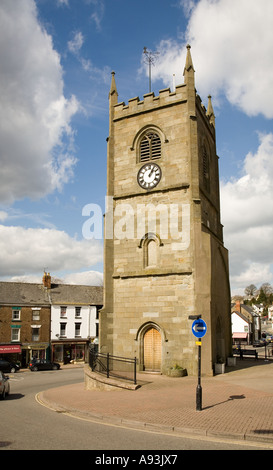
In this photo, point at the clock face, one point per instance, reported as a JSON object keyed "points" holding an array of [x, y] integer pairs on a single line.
{"points": [[149, 175]]}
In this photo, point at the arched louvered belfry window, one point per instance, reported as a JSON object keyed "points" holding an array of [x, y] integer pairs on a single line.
{"points": [[206, 169], [150, 147]]}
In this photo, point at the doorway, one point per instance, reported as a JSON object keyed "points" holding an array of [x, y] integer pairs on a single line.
{"points": [[152, 350]]}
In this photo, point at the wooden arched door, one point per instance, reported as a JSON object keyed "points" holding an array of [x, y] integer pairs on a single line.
{"points": [[152, 350]]}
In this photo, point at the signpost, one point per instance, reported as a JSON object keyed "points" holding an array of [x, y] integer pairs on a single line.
{"points": [[199, 329]]}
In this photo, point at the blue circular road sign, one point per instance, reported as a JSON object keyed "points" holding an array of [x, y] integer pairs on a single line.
{"points": [[199, 328]]}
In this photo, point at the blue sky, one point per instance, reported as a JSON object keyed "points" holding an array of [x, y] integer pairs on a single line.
{"points": [[56, 62]]}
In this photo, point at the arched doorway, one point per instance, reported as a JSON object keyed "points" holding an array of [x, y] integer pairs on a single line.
{"points": [[152, 350]]}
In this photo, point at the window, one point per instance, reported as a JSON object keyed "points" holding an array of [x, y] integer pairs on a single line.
{"points": [[77, 329], [150, 244], [78, 352], [150, 147], [206, 169], [77, 311], [16, 313], [151, 253], [35, 334], [63, 312], [35, 314], [15, 334], [62, 329]]}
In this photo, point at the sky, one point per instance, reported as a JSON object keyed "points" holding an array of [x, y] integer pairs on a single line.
{"points": [[56, 61]]}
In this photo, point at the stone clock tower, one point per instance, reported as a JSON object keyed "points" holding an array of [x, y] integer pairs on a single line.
{"points": [[164, 257]]}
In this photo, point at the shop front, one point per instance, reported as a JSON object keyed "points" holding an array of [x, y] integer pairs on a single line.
{"points": [[11, 352], [240, 338], [70, 351], [34, 351]]}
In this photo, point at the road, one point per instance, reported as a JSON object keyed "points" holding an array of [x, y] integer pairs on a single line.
{"points": [[27, 425]]}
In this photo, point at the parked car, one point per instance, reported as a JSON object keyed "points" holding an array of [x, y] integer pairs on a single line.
{"points": [[42, 364], [4, 385], [7, 366], [259, 343]]}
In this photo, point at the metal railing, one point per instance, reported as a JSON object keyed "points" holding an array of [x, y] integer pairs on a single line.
{"points": [[263, 351], [113, 366]]}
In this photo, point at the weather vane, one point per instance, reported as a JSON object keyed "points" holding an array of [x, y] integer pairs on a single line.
{"points": [[150, 58]]}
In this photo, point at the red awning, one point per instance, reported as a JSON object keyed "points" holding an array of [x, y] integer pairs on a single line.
{"points": [[239, 335], [10, 348]]}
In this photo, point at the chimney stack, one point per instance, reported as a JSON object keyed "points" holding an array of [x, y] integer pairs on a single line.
{"points": [[47, 280]]}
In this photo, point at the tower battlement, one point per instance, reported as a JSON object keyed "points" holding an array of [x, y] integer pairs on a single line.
{"points": [[165, 98], [151, 102]]}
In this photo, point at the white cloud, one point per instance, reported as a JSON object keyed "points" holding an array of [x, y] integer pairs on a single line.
{"points": [[95, 73], [247, 216], [254, 273], [247, 201], [3, 216], [85, 278], [35, 130], [232, 47], [98, 14], [187, 6], [29, 251], [76, 43], [63, 2]]}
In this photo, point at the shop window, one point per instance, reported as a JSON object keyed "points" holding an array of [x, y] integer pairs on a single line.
{"points": [[77, 352], [58, 353], [38, 354]]}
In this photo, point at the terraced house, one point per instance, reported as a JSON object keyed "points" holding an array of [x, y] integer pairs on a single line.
{"points": [[47, 320], [24, 321]]}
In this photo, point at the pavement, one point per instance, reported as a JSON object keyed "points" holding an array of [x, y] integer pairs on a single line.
{"points": [[237, 405]]}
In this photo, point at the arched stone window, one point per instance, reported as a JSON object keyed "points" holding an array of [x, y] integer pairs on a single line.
{"points": [[150, 243], [151, 255]]}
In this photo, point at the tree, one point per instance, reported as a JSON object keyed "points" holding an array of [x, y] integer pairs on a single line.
{"points": [[262, 298], [251, 290], [266, 287], [265, 296]]}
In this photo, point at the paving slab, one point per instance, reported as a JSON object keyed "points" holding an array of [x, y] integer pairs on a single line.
{"points": [[235, 405]]}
